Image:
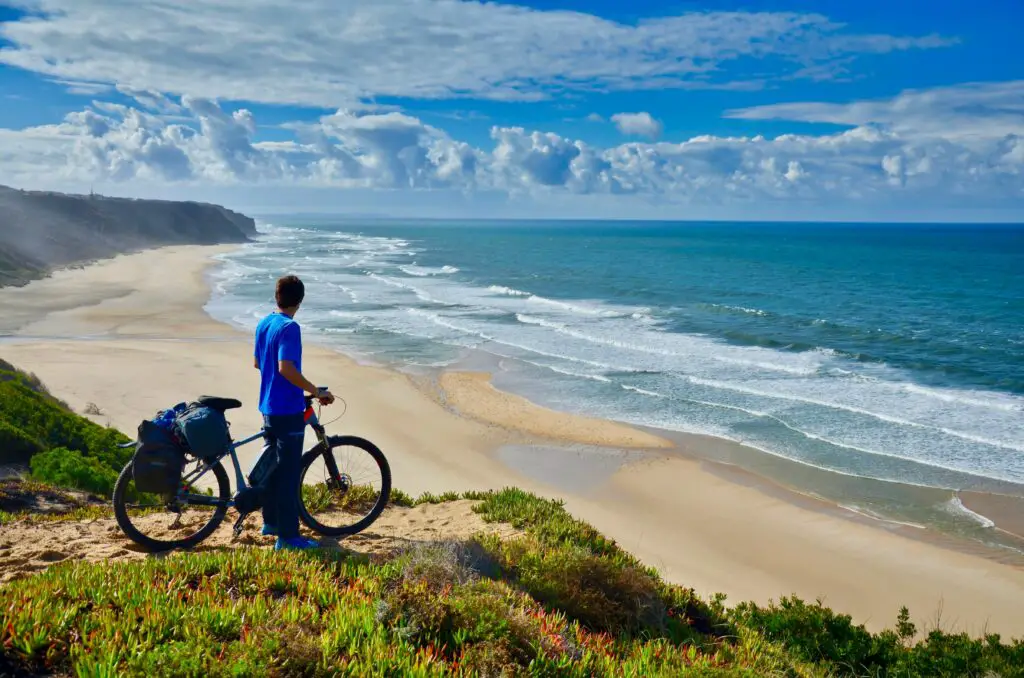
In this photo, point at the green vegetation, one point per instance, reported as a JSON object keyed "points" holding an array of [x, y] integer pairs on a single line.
{"points": [[560, 600], [62, 448]]}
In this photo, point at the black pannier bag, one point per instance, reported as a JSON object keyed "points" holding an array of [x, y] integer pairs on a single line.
{"points": [[204, 430], [158, 460]]}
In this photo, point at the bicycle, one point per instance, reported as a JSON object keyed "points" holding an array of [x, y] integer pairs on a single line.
{"points": [[337, 494]]}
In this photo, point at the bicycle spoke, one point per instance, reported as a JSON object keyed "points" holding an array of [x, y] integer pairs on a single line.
{"points": [[337, 501], [170, 520]]}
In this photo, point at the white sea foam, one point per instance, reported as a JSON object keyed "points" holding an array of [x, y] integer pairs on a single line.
{"points": [[501, 289], [419, 292], [956, 507], [425, 271], [868, 513], [844, 396], [643, 391], [996, 401], [530, 320], [741, 309], [575, 307], [568, 373]]}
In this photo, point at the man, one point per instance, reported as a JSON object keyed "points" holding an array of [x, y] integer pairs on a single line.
{"points": [[278, 356]]}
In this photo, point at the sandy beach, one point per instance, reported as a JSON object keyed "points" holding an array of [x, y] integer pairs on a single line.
{"points": [[130, 336]]}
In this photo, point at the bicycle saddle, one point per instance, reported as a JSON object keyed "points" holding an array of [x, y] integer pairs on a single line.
{"points": [[220, 404]]}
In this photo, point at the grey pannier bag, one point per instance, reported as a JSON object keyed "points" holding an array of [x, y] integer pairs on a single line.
{"points": [[205, 430]]}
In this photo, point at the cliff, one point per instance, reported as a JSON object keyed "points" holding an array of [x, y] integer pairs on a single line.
{"points": [[41, 231]]}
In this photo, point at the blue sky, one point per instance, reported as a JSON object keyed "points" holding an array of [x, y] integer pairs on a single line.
{"points": [[798, 109]]}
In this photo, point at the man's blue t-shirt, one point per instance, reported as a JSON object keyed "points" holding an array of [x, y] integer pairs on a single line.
{"points": [[278, 338]]}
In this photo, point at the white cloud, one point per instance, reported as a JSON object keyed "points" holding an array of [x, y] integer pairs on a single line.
{"points": [[154, 101], [972, 111], [84, 88], [638, 124], [864, 167], [335, 52]]}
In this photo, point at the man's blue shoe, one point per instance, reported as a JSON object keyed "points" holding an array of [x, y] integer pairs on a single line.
{"points": [[269, 531], [298, 543]]}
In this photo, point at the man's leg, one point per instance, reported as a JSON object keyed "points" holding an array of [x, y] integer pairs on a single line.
{"points": [[270, 489], [289, 431]]}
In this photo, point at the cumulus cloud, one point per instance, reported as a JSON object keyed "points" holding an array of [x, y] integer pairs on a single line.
{"points": [[964, 112], [332, 53], [113, 142], [638, 124], [210, 146]]}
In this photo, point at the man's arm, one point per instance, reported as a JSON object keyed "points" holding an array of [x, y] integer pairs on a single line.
{"points": [[291, 373], [289, 351]]}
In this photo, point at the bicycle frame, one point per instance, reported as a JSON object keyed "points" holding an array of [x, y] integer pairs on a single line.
{"points": [[311, 421], [247, 498]]}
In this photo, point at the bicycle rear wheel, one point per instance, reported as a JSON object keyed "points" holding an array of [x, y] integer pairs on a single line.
{"points": [[344, 487], [179, 520]]}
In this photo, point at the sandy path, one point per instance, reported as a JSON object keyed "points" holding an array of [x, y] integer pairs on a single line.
{"points": [[29, 548]]}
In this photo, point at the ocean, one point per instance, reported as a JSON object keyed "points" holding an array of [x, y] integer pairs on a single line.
{"points": [[880, 366]]}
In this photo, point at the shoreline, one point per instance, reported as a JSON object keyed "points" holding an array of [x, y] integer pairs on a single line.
{"points": [[702, 523], [474, 393]]}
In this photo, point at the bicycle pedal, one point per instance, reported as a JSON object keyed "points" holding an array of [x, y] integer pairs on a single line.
{"points": [[239, 526]]}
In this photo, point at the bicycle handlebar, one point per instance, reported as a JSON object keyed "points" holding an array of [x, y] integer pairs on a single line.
{"points": [[310, 399]]}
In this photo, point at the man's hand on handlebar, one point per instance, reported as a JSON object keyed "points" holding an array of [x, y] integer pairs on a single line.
{"points": [[324, 397]]}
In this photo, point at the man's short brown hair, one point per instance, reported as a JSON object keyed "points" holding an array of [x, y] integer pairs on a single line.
{"points": [[290, 292]]}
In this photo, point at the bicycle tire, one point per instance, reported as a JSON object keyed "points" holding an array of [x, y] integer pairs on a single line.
{"points": [[385, 495], [156, 545]]}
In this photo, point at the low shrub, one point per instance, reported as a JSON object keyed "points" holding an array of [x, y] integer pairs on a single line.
{"points": [[62, 447], [70, 468], [816, 634]]}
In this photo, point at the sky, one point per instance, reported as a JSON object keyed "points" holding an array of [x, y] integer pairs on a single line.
{"points": [[906, 110]]}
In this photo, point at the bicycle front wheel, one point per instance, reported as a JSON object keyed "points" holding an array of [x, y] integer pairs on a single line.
{"points": [[170, 521], [345, 486]]}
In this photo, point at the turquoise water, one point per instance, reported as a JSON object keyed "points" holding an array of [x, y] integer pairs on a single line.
{"points": [[885, 352]]}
